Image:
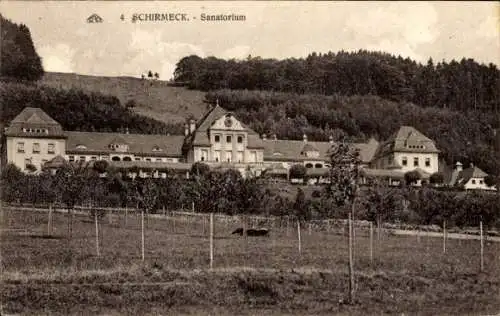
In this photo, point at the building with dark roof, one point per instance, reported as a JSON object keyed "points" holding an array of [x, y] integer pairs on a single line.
{"points": [[218, 139]]}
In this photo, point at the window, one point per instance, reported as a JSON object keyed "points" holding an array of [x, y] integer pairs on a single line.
{"points": [[81, 147], [228, 139], [20, 147], [115, 158], [82, 158], [158, 160], [473, 181], [309, 165], [229, 156], [27, 162], [156, 148], [71, 158], [51, 148], [36, 148], [480, 181], [93, 158], [240, 139], [204, 154], [404, 161], [415, 162], [44, 161], [240, 156], [217, 155], [137, 159], [217, 138], [427, 162], [318, 165], [253, 156], [127, 158]]}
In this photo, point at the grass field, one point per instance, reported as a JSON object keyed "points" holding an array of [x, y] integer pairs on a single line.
{"points": [[154, 98], [261, 276]]}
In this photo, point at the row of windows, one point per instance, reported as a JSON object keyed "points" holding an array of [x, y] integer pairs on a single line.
{"points": [[36, 130], [473, 181], [116, 158], [229, 139], [228, 156], [310, 165], [51, 148], [416, 162]]}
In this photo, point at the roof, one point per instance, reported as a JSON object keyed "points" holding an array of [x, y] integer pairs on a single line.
{"points": [[151, 165], [472, 172], [56, 162], [407, 139], [293, 150], [93, 142], [200, 135], [34, 118]]}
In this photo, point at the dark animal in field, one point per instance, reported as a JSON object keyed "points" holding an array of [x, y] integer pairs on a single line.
{"points": [[252, 232]]}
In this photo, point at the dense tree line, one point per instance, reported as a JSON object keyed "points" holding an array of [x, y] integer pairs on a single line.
{"points": [[460, 85], [19, 59], [466, 137], [228, 192], [77, 110]]}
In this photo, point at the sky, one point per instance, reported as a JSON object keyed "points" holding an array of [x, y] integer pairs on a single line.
{"points": [[115, 47]]}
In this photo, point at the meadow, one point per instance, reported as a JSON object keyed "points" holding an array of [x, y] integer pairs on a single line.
{"points": [[47, 273], [154, 98]]}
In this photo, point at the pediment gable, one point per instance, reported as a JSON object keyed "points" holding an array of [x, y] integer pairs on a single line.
{"points": [[228, 122]]}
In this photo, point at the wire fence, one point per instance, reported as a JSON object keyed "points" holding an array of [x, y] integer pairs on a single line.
{"points": [[190, 240]]}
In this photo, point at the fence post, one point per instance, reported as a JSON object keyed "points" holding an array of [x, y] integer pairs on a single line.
{"points": [[142, 233], [49, 223], [351, 260], [482, 244], [96, 233], [310, 229], [444, 236], [371, 242], [211, 240], [298, 234], [126, 215], [192, 206]]}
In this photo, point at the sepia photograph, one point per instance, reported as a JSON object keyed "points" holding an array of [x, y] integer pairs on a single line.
{"points": [[249, 158]]}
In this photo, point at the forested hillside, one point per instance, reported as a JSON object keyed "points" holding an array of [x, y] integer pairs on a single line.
{"points": [[462, 86], [19, 59], [467, 137], [77, 110]]}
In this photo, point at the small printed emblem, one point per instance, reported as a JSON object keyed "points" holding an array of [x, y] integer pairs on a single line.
{"points": [[94, 18]]}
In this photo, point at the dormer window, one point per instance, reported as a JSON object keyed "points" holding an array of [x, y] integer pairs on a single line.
{"points": [[81, 147], [156, 148]]}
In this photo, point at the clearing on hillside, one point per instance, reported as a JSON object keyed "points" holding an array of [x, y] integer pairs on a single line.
{"points": [[154, 98]]}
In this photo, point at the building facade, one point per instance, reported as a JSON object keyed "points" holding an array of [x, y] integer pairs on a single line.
{"points": [[218, 139]]}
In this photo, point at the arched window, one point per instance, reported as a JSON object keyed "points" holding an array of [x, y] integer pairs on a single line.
{"points": [[309, 165], [127, 159], [115, 158], [318, 165]]}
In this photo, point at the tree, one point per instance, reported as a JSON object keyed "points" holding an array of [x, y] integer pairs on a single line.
{"points": [[12, 183], [150, 74], [436, 178], [490, 180], [71, 181], [301, 205], [380, 201], [100, 166], [343, 188], [199, 169], [411, 177], [298, 171], [146, 194], [157, 76]]}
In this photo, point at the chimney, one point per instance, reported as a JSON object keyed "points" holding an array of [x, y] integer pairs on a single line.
{"points": [[264, 137], [192, 126], [458, 166], [275, 137], [186, 129], [330, 139], [305, 138]]}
